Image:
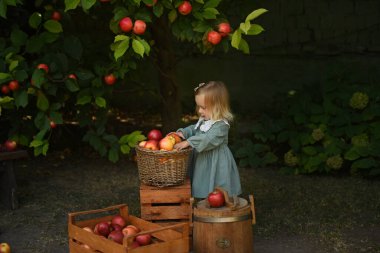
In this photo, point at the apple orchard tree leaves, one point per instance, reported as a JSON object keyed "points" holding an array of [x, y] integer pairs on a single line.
{"points": [[83, 51]]}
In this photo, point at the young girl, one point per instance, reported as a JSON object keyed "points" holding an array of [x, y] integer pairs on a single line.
{"points": [[212, 163]]}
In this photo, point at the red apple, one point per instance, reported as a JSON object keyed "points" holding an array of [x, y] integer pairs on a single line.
{"points": [[134, 227], [116, 227], [154, 134], [216, 199], [56, 15], [224, 29], [119, 220], [126, 24], [72, 76], [44, 67], [139, 27], [134, 245], [185, 8], [150, 5], [116, 236], [151, 144], [129, 231], [176, 137], [102, 228], [214, 37], [167, 143], [53, 125], [110, 79], [142, 144], [13, 85], [4, 89], [10, 145], [144, 239]]}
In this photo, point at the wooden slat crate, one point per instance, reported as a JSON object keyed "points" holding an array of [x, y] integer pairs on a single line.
{"points": [[165, 239], [166, 205]]}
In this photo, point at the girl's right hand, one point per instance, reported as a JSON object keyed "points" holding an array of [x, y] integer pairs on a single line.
{"points": [[181, 145]]}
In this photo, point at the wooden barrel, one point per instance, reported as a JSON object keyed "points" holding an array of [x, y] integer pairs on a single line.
{"points": [[223, 230]]}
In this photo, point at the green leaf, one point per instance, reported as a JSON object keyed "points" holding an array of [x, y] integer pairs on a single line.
{"points": [[309, 150], [113, 155], [211, 3], [21, 98], [121, 38], [35, 20], [4, 76], [18, 37], [13, 65], [121, 48], [83, 100], [200, 26], [365, 163], [172, 15], [269, 158], [255, 29], [146, 46], [71, 85], [255, 14], [3, 8], [101, 102], [36, 143], [53, 26], [243, 46], [158, 10], [34, 44], [71, 4], [38, 77], [210, 13], [73, 47], [351, 154], [138, 47], [5, 100], [125, 149], [245, 27], [87, 4], [236, 38], [42, 101]]}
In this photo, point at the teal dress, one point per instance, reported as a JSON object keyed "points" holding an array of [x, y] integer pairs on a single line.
{"points": [[211, 163]]}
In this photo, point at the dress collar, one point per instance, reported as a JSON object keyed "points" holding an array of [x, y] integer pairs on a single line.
{"points": [[205, 125]]}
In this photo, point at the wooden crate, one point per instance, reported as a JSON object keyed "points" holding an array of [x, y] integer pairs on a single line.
{"points": [[165, 239], [166, 205]]}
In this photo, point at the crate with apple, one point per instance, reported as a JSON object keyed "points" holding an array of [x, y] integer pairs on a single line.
{"points": [[119, 232], [159, 164]]}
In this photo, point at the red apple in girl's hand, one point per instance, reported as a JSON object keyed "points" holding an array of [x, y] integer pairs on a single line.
{"points": [[176, 137], [216, 199], [167, 143], [154, 134]]}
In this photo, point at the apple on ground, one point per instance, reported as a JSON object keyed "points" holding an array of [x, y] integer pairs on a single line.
{"points": [[110, 79], [214, 37], [216, 199], [44, 67], [224, 29], [144, 239], [13, 85], [126, 24], [154, 134], [167, 143], [5, 248], [151, 144], [10, 145], [185, 8], [139, 27]]}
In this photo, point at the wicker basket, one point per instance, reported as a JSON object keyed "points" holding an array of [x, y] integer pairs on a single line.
{"points": [[162, 168]]}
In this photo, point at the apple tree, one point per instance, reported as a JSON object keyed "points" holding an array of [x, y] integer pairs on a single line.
{"points": [[61, 61]]}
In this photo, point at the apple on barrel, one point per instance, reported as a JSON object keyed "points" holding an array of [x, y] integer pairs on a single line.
{"points": [[216, 199]]}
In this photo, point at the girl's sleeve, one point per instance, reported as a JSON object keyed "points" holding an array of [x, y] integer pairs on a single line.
{"points": [[210, 139], [187, 131]]}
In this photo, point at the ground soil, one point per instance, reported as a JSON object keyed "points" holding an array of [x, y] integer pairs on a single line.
{"points": [[67, 181]]}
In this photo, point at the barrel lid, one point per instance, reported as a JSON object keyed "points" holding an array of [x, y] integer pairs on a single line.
{"points": [[203, 208]]}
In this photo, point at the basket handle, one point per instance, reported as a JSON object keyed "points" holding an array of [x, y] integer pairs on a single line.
{"points": [[122, 207], [252, 209]]}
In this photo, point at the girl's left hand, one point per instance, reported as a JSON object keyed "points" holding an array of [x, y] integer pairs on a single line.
{"points": [[182, 145]]}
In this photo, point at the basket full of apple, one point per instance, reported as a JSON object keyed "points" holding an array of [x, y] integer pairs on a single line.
{"points": [[159, 164]]}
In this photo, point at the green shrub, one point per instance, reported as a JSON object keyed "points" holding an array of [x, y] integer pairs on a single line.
{"points": [[319, 129]]}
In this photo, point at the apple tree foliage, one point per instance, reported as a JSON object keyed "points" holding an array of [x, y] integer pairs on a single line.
{"points": [[32, 33]]}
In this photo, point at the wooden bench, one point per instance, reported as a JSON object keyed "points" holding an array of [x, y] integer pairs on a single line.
{"points": [[8, 185]]}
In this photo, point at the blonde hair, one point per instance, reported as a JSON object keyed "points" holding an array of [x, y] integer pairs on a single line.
{"points": [[216, 98]]}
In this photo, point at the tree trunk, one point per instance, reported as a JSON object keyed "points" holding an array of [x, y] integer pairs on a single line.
{"points": [[166, 64]]}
